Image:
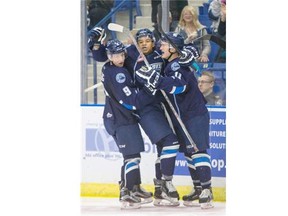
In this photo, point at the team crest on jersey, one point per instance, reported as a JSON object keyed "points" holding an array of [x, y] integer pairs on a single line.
{"points": [[175, 66], [120, 77]]}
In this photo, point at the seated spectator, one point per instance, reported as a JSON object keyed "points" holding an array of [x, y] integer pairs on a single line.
{"points": [[190, 28], [206, 84]]}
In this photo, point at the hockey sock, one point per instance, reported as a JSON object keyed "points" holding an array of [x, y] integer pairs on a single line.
{"points": [[168, 154], [158, 172], [131, 170], [201, 161], [192, 170]]}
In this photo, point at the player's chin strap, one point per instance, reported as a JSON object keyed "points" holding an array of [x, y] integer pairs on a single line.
{"points": [[171, 53]]}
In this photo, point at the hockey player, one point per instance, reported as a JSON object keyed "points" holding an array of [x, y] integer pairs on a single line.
{"points": [[121, 122], [181, 86], [152, 117], [155, 124]]}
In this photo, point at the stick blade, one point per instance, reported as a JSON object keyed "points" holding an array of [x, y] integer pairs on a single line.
{"points": [[115, 27]]}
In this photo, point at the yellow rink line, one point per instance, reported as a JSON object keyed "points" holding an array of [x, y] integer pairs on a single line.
{"points": [[112, 190]]}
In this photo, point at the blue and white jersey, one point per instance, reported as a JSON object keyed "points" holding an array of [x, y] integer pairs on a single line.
{"points": [[182, 89], [122, 96]]}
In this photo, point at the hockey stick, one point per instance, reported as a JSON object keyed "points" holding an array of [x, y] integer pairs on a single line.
{"points": [[119, 28], [219, 41], [93, 87]]}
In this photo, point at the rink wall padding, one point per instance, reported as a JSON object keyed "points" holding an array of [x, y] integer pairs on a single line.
{"points": [[101, 161]]}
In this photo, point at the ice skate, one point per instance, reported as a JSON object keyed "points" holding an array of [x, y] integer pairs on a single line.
{"points": [[145, 196], [128, 200], [165, 193], [192, 199], [206, 198]]}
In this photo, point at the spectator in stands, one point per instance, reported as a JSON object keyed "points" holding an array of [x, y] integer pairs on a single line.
{"points": [[206, 84], [221, 30], [222, 23], [190, 28], [175, 7], [216, 11], [97, 10]]}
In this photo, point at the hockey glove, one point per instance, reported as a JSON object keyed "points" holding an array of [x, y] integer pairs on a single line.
{"points": [[149, 89], [189, 55], [193, 49], [96, 36], [186, 58], [148, 76]]}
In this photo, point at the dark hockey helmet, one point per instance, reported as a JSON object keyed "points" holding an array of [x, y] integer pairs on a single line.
{"points": [[145, 32], [115, 46], [176, 38]]}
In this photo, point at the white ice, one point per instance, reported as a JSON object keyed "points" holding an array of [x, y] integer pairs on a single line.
{"points": [[111, 206]]}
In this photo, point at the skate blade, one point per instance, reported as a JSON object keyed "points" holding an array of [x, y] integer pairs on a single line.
{"points": [[146, 200], [191, 204], [129, 205], [207, 205], [164, 202]]}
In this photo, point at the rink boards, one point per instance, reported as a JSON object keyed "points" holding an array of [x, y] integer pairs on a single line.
{"points": [[101, 160]]}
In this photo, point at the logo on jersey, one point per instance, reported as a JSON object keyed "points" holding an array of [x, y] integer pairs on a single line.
{"points": [[175, 66], [156, 66], [120, 77]]}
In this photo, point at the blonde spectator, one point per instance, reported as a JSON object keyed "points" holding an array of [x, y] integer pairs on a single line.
{"points": [[190, 28]]}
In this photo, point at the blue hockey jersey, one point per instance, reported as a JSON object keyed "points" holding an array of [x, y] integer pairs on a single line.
{"points": [[181, 87], [122, 96]]}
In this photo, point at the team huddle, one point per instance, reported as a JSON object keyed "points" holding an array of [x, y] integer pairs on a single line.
{"points": [[164, 99]]}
